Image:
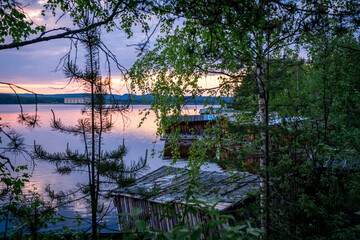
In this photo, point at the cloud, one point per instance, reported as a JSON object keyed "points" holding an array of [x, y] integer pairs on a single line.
{"points": [[35, 64], [43, 52], [35, 15], [37, 88]]}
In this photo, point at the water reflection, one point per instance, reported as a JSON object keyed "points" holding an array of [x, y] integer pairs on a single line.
{"points": [[136, 139]]}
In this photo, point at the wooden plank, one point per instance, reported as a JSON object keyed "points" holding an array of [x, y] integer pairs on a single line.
{"points": [[213, 182]]}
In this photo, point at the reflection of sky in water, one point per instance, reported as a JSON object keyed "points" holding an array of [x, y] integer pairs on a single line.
{"points": [[136, 139]]}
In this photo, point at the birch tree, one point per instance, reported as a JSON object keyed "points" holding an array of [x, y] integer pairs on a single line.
{"points": [[236, 39]]}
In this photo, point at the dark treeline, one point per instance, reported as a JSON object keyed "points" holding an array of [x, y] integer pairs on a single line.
{"points": [[10, 99], [122, 99]]}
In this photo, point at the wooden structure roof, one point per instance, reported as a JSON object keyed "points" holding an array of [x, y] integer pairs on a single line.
{"points": [[198, 118], [169, 184]]}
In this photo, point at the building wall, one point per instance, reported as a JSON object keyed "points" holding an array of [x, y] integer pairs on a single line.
{"points": [[153, 213], [76, 100]]}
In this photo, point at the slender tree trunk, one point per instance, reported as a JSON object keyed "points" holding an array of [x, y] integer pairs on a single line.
{"points": [[101, 109], [93, 160], [264, 177], [325, 105], [261, 82]]}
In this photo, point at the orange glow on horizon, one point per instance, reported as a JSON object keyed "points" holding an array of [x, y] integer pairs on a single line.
{"points": [[119, 86], [55, 88]]}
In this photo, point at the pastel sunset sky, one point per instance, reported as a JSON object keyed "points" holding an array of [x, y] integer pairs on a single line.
{"points": [[33, 66]]}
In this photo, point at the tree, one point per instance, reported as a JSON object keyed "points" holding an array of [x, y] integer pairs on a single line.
{"points": [[328, 177], [17, 28], [23, 31], [314, 171], [230, 38], [103, 167], [236, 39], [20, 213]]}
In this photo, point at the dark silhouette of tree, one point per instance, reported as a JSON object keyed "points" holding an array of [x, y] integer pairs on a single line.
{"points": [[103, 167]]}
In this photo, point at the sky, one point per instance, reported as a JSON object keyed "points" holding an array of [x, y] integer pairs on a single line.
{"points": [[33, 66]]}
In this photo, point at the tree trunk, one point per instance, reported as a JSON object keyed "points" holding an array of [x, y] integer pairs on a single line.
{"points": [[264, 177], [93, 160]]}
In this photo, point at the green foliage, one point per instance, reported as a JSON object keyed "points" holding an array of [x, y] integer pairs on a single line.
{"points": [[322, 151], [314, 142], [217, 225], [25, 215], [15, 23], [308, 109], [310, 141], [128, 14]]}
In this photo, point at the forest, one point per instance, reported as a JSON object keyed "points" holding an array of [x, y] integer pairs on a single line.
{"points": [[289, 88]]}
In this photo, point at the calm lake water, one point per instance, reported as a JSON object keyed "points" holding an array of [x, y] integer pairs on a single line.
{"points": [[126, 127]]}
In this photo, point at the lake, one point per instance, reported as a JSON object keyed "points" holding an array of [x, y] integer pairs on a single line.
{"points": [[137, 140]]}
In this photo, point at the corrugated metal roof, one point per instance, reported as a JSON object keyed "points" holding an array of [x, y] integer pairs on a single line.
{"points": [[198, 118], [216, 110], [170, 185]]}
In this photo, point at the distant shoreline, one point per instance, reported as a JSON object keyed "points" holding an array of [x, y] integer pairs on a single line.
{"points": [[121, 99], [69, 104]]}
